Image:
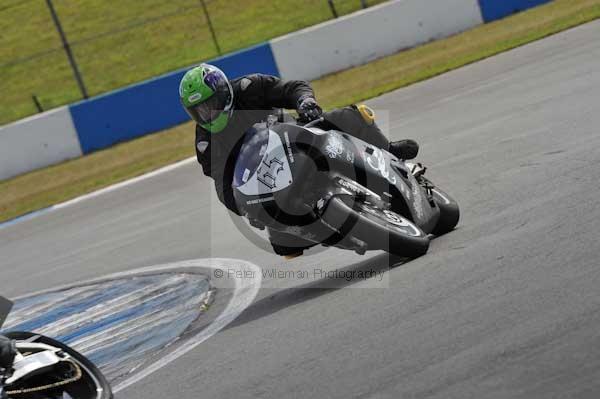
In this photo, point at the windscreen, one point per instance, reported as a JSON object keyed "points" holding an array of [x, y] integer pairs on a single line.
{"points": [[251, 154]]}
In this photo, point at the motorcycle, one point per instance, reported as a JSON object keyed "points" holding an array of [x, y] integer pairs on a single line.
{"points": [[44, 368], [327, 187]]}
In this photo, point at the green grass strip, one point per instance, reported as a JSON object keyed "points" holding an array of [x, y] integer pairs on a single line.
{"points": [[117, 43]]}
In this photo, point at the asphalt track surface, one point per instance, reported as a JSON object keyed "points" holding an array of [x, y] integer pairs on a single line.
{"points": [[506, 306]]}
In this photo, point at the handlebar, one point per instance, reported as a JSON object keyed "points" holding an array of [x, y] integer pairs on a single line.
{"points": [[313, 122]]}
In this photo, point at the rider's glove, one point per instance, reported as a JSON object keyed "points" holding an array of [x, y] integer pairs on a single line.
{"points": [[309, 109], [7, 352]]}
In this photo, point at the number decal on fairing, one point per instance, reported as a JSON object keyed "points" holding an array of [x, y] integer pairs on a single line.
{"points": [[268, 171], [274, 172]]}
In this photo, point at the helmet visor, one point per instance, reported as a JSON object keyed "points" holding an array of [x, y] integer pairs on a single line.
{"points": [[208, 110]]}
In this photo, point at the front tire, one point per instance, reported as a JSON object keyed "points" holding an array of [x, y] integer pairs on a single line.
{"points": [[378, 228], [449, 212], [91, 385]]}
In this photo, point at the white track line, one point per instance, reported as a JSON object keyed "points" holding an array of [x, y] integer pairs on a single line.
{"points": [[246, 288], [243, 295], [93, 194]]}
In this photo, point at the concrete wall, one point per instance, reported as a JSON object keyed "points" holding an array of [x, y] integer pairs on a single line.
{"points": [[37, 141], [370, 34]]}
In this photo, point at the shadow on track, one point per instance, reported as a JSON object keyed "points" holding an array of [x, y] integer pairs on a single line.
{"points": [[306, 292]]}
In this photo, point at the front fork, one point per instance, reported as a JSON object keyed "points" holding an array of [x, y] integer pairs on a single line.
{"points": [[418, 171]]}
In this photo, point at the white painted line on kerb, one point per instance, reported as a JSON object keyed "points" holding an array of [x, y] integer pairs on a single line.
{"points": [[93, 194], [244, 293], [247, 279]]}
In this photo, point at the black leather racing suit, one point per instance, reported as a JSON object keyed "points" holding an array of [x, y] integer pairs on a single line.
{"points": [[255, 96]]}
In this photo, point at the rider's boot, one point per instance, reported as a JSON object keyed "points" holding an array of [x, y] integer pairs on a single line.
{"points": [[287, 245], [404, 149], [287, 252], [294, 255]]}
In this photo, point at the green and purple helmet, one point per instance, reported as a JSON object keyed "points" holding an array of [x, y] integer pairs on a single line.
{"points": [[207, 96]]}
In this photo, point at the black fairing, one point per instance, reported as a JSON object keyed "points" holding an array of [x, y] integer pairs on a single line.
{"points": [[323, 164]]}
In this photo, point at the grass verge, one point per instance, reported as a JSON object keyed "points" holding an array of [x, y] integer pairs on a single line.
{"points": [[153, 37], [61, 182]]}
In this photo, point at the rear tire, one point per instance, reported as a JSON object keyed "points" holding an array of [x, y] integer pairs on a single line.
{"points": [[379, 229], [449, 212]]}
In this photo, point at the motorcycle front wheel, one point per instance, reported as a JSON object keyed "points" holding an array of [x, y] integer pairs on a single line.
{"points": [[76, 377], [449, 212]]}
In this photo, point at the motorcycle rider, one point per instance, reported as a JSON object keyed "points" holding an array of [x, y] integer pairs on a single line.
{"points": [[224, 110]]}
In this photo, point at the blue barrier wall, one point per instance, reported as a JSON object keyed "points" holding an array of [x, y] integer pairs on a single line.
{"points": [[153, 105], [492, 10]]}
